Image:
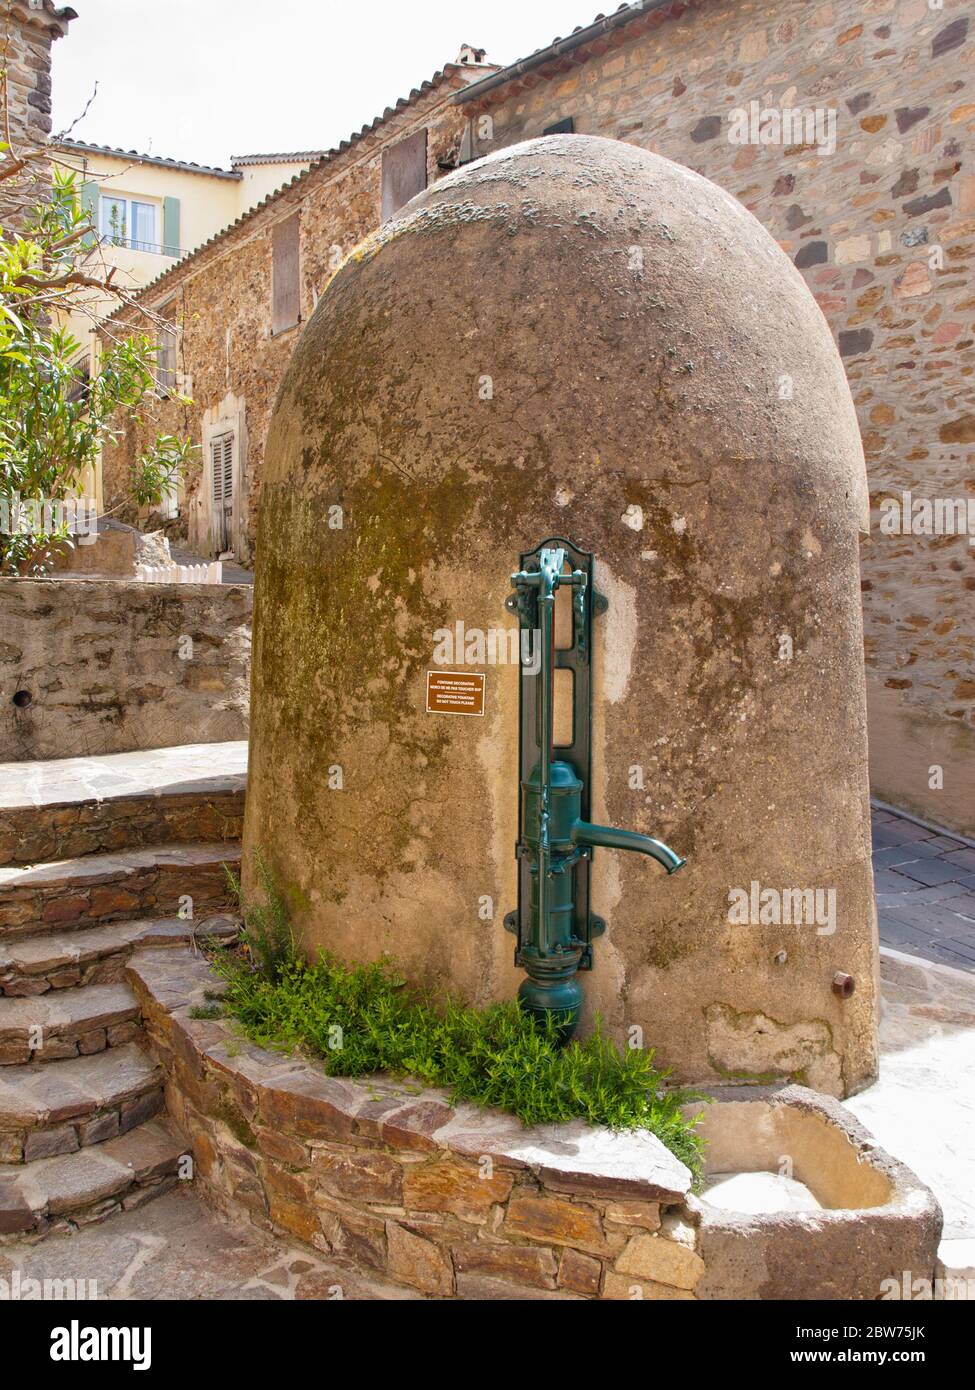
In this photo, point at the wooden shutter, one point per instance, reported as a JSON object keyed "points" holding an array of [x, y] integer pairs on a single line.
{"points": [[167, 343], [285, 284], [170, 238], [89, 206], [222, 468], [404, 172]]}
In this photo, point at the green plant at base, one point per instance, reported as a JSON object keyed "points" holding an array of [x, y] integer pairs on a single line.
{"points": [[363, 1019], [212, 1010], [268, 939]]}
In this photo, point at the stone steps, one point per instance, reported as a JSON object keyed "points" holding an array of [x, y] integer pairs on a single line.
{"points": [[46, 1110], [99, 858], [35, 965], [57, 1194], [153, 882], [75, 806], [68, 1023]]}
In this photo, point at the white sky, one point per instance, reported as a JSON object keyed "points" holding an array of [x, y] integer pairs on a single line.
{"points": [[204, 79]]}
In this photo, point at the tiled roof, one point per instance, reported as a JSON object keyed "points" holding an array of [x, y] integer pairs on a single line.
{"points": [[449, 70], [43, 16], [558, 51], [295, 157], [135, 157]]}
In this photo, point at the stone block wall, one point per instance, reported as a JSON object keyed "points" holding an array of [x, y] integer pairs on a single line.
{"points": [[98, 666], [883, 229]]}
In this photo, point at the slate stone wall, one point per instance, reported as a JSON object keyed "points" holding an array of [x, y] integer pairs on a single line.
{"points": [[110, 667]]}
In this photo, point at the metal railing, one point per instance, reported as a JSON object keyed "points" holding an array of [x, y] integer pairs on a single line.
{"points": [[132, 244]]}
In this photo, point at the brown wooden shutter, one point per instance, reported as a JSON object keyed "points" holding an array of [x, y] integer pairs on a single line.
{"points": [[404, 172], [166, 357], [285, 283], [222, 460]]}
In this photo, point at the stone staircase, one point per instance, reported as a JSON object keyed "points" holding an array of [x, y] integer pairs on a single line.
{"points": [[99, 857]]}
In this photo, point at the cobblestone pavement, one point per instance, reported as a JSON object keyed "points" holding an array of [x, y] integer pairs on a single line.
{"points": [[925, 884], [178, 1248]]}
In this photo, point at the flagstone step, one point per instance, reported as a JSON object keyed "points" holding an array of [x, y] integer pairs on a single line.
{"points": [[53, 1195], [69, 807], [35, 965], [155, 881], [46, 1110], [68, 1023]]}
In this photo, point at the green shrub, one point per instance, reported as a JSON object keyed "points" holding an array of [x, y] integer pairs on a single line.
{"points": [[363, 1019]]}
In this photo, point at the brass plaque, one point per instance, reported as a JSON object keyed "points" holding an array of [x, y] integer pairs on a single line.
{"points": [[455, 692]]}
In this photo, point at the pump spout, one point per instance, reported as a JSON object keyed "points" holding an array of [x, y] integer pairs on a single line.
{"points": [[605, 836]]}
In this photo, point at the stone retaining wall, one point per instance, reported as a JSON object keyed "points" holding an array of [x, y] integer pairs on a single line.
{"points": [[65, 830], [464, 1203], [109, 667]]}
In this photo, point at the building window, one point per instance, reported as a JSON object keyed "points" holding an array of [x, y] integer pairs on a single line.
{"points": [[404, 172], [128, 222], [80, 388], [285, 281], [566, 127], [168, 507]]}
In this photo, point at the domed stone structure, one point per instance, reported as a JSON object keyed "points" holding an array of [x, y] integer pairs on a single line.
{"points": [[576, 338]]}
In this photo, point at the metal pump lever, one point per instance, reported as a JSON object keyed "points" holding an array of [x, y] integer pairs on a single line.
{"points": [[554, 925]]}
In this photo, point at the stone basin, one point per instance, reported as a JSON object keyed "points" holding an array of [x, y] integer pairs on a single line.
{"points": [[824, 1211]]}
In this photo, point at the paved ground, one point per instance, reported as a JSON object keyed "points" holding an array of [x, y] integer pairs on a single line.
{"points": [[922, 1108], [159, 770], [925, 883], [232, 573], [177, 1248]]}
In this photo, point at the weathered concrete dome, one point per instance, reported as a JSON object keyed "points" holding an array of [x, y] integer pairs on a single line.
{"points": [[575, 337]]}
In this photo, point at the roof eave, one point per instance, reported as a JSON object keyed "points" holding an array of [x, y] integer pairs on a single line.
{"points": [[46, 16], [603, 30]]}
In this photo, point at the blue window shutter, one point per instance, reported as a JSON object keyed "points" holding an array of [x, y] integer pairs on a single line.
{"points": [[89, 206], [171, 245]]}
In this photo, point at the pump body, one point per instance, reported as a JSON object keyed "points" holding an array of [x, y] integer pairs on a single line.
{"points": [[554, 924]]}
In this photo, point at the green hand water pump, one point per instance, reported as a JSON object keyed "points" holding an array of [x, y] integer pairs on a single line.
{"points": [[554, 924]]}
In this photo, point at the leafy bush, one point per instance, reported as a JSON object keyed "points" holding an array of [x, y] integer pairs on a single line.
{"points": [[54, 421], [363, 1018]]}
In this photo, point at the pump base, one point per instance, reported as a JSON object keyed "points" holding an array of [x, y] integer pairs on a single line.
{"points": [[556, 999]]}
